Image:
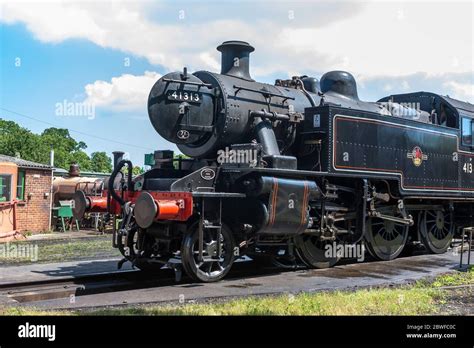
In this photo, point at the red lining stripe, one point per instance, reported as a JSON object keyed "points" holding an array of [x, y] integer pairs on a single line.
{"points": [[305, 199], [274, 201], [388, 171]]}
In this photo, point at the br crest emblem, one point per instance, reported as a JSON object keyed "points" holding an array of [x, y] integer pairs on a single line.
{"points": [[417, 156]]}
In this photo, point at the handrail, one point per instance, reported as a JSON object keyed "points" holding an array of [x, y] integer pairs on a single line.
{"points": [[466, 230]]}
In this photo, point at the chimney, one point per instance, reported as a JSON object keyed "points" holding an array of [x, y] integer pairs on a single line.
{"points": [[74, 170], [51, 158], [235, 59], [118, 156]]}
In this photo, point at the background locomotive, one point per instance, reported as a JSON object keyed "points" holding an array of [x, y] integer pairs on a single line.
{"points": [[64, 189], [281, 171]]}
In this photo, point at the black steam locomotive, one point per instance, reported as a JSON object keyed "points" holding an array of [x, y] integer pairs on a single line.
{"points": [[279, 172]]}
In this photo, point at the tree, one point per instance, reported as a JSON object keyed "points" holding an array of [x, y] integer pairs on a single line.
{"points": [[101, 163], [66, 149], [137, 170], [81, 158], [16, 140], [176, 157]]}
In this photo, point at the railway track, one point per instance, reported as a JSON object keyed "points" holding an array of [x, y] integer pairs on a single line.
{"points": [[72, 287], [22, 292], [246, 278]]}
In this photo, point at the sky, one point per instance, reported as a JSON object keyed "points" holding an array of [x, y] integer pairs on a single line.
{"points": [[89, 65]]}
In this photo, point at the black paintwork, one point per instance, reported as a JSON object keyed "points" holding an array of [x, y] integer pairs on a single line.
{"points": [[340, 82], [425, 159]]}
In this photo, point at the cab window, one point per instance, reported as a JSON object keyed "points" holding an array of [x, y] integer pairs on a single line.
{"points": [[467, 126]]}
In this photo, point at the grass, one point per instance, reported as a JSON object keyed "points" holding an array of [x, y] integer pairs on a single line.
{"points": [[30, 233], [57, 250], [362, 302], [423, 298], [13, 311], [454, 279]]}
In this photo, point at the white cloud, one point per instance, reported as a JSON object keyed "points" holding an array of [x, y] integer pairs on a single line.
{"points": [[124, 93], [368, 40], [54, 21], [375, 42], [125, 26], [389, 38], [463, 91], [456, 85], [209, 60]]}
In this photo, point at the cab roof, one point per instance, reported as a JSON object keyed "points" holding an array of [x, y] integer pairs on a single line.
{"points": [[429, 100]]}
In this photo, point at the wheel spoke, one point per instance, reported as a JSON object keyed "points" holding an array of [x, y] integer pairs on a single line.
{"points": [[447, 231], [432, 228]]}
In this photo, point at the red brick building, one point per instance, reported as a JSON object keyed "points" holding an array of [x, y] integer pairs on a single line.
{"points": [[25, 196]]}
